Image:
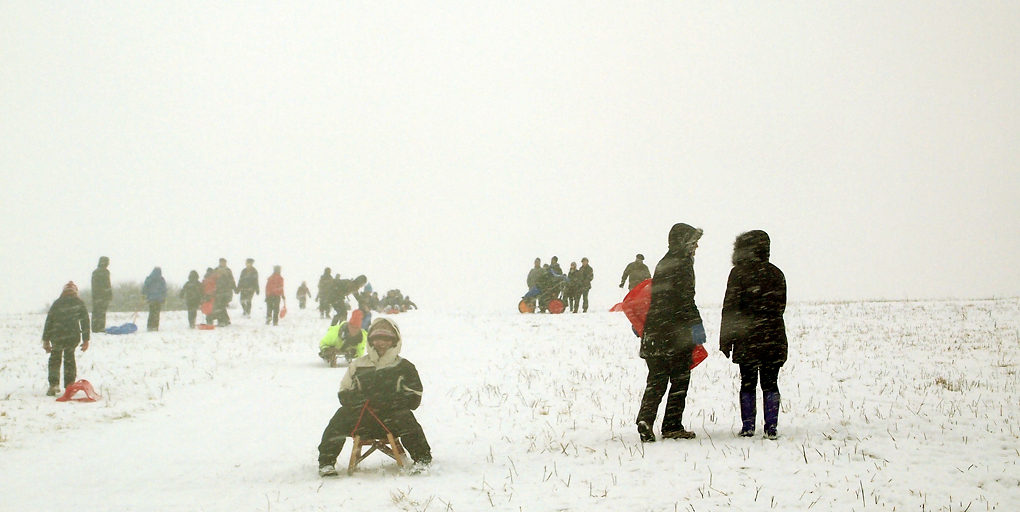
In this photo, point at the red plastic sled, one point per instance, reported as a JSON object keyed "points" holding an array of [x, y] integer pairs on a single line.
{"points": [[283, 311], [206, 327], [556, 306], [635, 305], [81, 385]]}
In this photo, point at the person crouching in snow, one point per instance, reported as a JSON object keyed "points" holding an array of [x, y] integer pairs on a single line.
{"points": [[67, 323], [346, 338], [387, 384]]}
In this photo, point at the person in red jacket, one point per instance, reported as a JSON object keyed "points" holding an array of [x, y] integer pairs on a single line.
{"points": [[274, 292]]}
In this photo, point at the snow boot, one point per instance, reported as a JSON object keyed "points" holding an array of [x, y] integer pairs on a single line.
{"points": [[748, 411], [645, 432], [771, 400], [54, 389], [328, 470], [680, 433]]}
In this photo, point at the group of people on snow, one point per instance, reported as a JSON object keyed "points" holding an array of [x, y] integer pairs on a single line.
{"points": [[752, 332], [548, 282], [381, 385]]}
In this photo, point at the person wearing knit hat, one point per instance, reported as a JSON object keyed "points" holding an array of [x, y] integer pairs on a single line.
{"points": [[384, 383], [67, 324]]}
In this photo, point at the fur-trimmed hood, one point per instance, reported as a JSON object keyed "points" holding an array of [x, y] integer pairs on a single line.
{"points": [[371, 357], [682, 238], [751, 247]]}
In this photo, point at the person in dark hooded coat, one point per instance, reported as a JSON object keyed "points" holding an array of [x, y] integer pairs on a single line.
{"points": [[753, 330], [67, 324], [672, 328], [102, 294]]}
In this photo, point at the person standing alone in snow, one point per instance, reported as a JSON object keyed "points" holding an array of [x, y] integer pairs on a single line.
{"points": [[753, 328], [672, 328], [67, 323], [102, 294], [303, 293], [637, 271], [274, 292], [247, 286]]}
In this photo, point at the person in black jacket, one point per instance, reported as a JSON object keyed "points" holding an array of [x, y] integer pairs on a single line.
{"points": [[672, 328], [387, 385], [636, 271], [67, 323], [102, 294], [247, 286], [192, 293], [753, 329]]}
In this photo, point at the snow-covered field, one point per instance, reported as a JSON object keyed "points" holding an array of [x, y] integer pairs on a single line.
{"points": [[886, 406]]}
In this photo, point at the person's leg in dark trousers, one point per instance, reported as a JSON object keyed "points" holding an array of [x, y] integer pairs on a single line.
{"points": [[99, 315], [273, 310], [655, 388], [584, 298], [192, 316], [333, 438], [220, 310], [679, 382], [154, 308], [748, 399], [62, 352], [404, 425], [770, 398]]}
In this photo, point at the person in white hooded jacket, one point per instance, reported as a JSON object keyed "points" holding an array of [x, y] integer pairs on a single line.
{"points": [[386, 383]]}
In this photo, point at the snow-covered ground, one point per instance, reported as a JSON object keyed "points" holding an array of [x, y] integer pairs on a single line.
{"points": [[886, 406]]}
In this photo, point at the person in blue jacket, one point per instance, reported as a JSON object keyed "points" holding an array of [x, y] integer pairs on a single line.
{"points": [[154, 291]]}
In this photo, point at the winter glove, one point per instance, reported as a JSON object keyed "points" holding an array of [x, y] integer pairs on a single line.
{"points": [[47, 347], [698, 334], [725, 351], [621, 285]]}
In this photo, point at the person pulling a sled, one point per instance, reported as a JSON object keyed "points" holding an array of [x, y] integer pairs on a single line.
{"points": [[672, 328], [382, 385], [67, 323]]}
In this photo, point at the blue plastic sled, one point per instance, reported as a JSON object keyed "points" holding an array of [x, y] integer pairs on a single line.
{"points": [[127, 328]]}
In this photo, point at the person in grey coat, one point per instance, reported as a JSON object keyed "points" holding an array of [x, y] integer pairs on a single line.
{"points": [[753, 331]]}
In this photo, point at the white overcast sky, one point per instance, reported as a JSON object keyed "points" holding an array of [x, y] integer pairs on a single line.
{"points": [[439, 147]]}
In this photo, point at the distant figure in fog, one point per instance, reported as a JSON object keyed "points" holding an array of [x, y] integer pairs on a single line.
{"points": [[274, 293], [192, 293], [225, 288], [753, 330], [636, 271], [587, 276], [67, 324], [325, 294], [154, 291], [102, 294], [247, 286], [303, 293]]}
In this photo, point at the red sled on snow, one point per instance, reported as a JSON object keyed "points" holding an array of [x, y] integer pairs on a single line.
{"points": [[82, 385], [635, 305]]}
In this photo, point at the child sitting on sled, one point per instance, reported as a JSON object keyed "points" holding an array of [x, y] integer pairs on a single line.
{"points": [[346, 338]]}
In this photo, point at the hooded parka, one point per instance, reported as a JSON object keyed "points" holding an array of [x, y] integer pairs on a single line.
{"points": [[752, 314], [390, 386]]}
